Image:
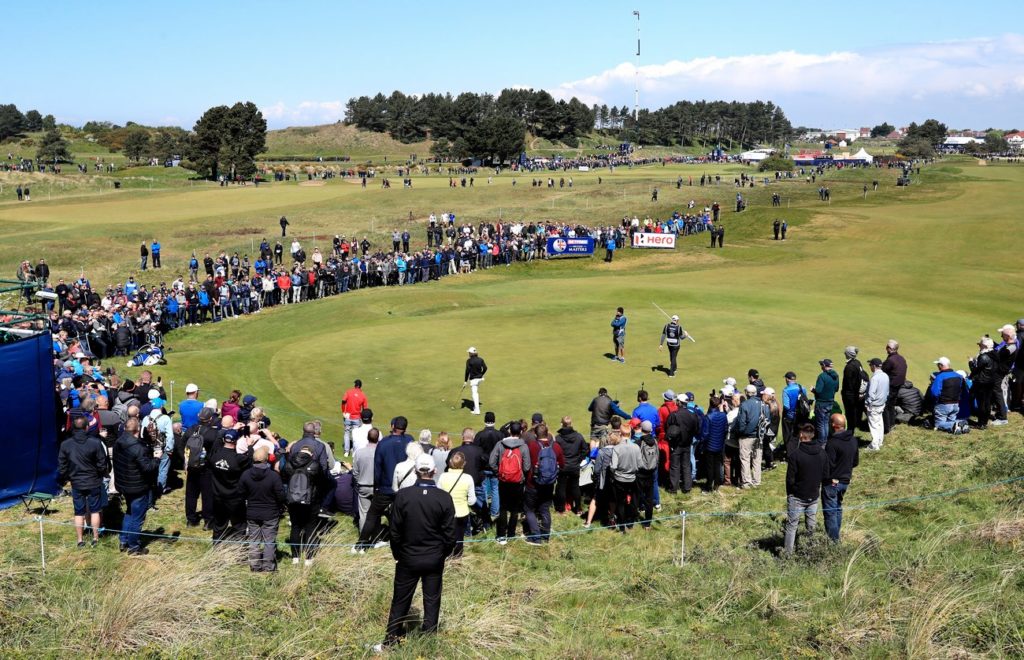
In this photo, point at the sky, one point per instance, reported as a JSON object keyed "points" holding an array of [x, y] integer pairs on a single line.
{"points": [[827, 64]]}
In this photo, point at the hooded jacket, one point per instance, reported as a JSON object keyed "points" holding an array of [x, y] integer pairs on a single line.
{"points": [[806, 469], [843, 455], [263, 492], [574, 448], [510, 443], [226, 467], [82, 461]]}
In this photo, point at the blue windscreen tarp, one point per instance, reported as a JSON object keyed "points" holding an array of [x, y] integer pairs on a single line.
{"points": [[28, 436]]}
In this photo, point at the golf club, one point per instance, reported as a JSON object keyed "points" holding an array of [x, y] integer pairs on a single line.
{"points": [[461, 390], [688, 336]]}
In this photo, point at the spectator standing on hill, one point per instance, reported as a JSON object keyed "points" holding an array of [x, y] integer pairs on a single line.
{"points": [[83, 461], [895, 367], [362, 474], [284, 226], [1006, 357], [752, 411], [807, 467], [854, 387], [263, 492], [188, 410], [842, 454], [306, 473], [824, 398], [874, 403], [389, 453], [510, 461], [352, 405], [547, 460], [462, 489], [155, 253], [227, 466], [135, 466], [487, 438], [574, 448], [422, 537], [143, 256], [624, 465], [984, 376], [602, 408]]}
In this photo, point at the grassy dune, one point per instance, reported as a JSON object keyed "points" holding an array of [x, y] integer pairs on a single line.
{"points": [[933, 265]]}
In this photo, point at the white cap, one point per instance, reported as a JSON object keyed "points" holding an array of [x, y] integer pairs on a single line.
{"points": [[730, 381], [675, 317], [1008, 329], [425, 463], [728, 390], [769, 391], [750, 389], [79, 355], [191, 388], [471, 350], [154, 394], [942, 362]]}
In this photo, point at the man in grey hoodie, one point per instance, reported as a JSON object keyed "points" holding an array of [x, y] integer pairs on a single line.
{"points": [[362, 473], [511, 471]]}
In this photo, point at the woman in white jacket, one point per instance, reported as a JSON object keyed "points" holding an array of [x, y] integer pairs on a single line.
{"points": [[405, 472]]}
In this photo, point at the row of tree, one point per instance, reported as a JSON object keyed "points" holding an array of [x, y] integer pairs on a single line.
{"points": [[708, 124], [14, 123]]}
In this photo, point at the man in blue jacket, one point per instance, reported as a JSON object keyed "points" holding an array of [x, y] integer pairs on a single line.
{"points": [[619, 334], [945, 389], [390, 452]]}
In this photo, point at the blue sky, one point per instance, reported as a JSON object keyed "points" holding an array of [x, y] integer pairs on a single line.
{"points": [[827, 64]]}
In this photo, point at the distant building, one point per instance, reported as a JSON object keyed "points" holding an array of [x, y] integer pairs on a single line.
{"points": [[1015, 140]]}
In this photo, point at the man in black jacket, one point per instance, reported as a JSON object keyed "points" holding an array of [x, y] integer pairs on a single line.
{"points": [[843, 455], [474, 464], [263, 492], [83, 461], [984, 376], [850, 391], [680, 428], [226, 466], [574, 449], [475, 370], [486, 439], [199, 439], [807, 467], [135, 466], [422, 535]]}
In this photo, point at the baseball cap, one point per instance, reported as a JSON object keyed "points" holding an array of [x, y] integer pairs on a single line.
{"points": [[153, 394], [79, 355], [669, 395], [206, 414], [424, 463], [942, 361], [646, 426], [1020, 321], [1007, 328], [731, 382], [472, 350], [769, 391], [366, 416], [191, 388], [825, 362], [675, 317], [728, 390], [537, 418], [750, 389], [157, 403], [790, 375], [875, 362], [248, 399]]}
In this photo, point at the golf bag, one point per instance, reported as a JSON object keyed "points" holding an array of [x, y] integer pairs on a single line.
{"points": [[148, 356]]}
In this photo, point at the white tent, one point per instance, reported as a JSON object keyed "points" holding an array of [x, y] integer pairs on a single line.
{"points": [[754, 156], [863, 156]]}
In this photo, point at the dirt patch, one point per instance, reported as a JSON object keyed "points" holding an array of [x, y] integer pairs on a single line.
{"points": [[312, 183], [1002, 532]]}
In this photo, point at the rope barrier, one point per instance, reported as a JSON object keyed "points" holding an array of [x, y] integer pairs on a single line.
{"points": [[581, 530]]}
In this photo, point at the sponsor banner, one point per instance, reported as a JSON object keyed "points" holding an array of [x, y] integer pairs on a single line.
{"points": [[558, 246], [651, 240]]}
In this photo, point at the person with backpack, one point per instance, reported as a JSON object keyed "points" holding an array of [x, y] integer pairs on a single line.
{"points": [[854, 388], [462, 489], [199, 439], [159, 432], [547, 459], [263, 492], [304, 474], [226, 466], [824, 391], [574, 449], [753, 414], [624, 464], [510, 461], [795, 409], [646, 473], [681, 427]]}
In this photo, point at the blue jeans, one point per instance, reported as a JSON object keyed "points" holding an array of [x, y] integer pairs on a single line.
{"points": [[822, 415], [945, 415], [165, 467], [349, 425], [656, 499], [832, 508], [693, 462], [136, 507], [491, 492]]}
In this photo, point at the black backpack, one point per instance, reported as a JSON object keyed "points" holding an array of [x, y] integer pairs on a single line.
{"points": [[803, 407], [302, 484], [195, 450]]}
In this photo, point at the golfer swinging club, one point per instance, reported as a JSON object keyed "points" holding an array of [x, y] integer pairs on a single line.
{"points": [[475, 370], [673, 335]]}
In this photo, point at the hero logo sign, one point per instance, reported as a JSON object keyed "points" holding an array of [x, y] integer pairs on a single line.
{"points": [[649, 240]]}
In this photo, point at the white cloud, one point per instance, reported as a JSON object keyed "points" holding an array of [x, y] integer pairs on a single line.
{"points": [[304, 113], [976, 81]]}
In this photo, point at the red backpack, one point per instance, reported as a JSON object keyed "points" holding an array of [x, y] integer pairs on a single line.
{"points": [[510, 466]]}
